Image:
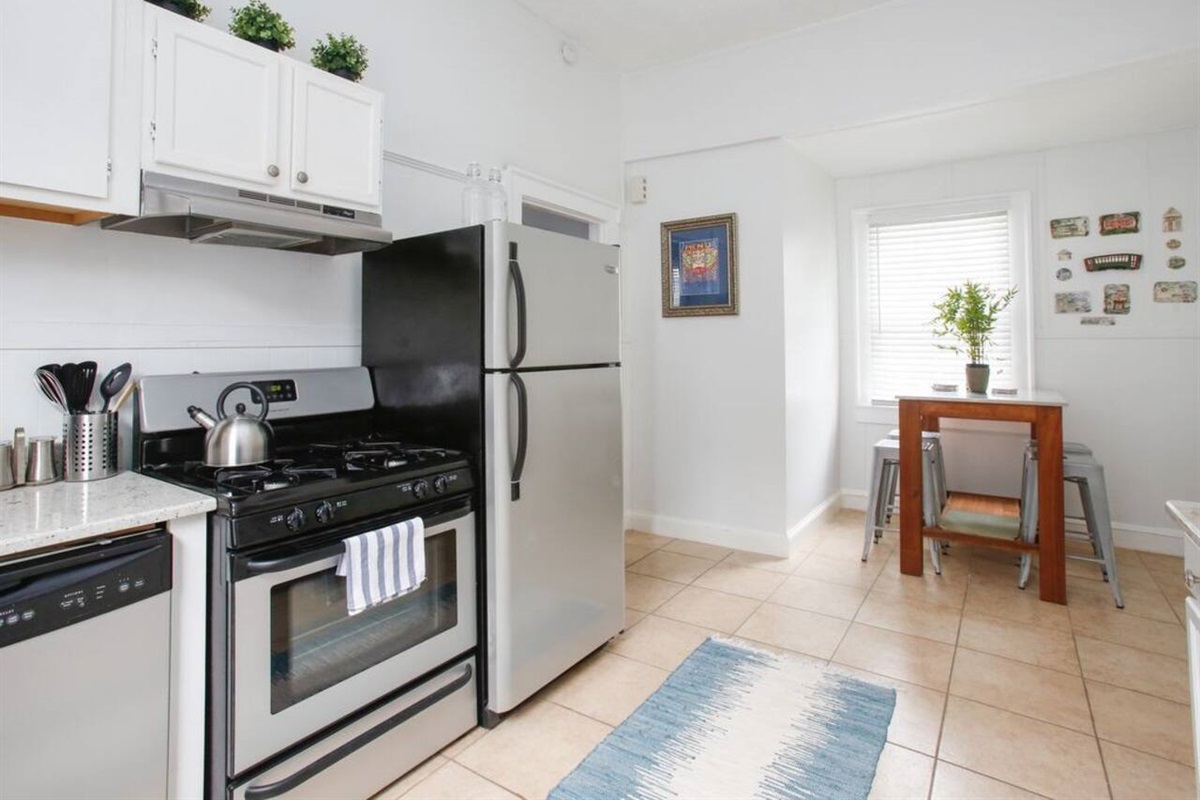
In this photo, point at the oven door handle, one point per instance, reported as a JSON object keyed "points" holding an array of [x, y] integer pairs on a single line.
{"points": [[262, 566], [284, 785]]}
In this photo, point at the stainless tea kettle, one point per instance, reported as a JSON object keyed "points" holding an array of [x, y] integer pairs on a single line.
{"points": [[239, 440]]}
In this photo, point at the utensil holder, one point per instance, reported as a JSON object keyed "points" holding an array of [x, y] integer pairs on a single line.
{"points": [[89, 446]]}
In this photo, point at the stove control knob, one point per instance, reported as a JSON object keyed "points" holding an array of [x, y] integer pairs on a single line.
{"points": [[439, 484], [324, 511], [296, 520], [420, 490]]}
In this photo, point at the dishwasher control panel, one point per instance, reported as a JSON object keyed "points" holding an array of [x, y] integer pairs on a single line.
{"points": [[42, 594]]}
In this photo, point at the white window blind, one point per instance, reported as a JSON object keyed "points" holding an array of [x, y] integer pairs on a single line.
{"points": [[910, 265]]}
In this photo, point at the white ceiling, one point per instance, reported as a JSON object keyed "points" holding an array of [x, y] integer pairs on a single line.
{"points": [[634, 34], [1131, 99]]}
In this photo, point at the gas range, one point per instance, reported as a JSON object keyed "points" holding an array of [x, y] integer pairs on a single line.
{"points": [[328, 469]]}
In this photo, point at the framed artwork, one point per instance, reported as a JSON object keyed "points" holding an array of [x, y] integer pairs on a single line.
{"points": [[699, 266]]}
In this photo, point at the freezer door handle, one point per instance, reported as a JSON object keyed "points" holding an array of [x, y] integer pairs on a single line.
{"points": [[522, 434], [518, 284]]}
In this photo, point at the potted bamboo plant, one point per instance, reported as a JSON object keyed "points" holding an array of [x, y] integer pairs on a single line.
{"points": [[968, 314], [259, 23], [342, 55]]}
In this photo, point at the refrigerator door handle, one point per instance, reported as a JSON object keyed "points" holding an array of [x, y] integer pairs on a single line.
{"points": [[518, 284], [522, 434]]}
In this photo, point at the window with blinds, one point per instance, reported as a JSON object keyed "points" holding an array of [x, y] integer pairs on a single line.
{"points": [[909, 266]]}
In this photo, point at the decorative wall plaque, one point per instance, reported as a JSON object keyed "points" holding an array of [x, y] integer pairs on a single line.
{"points": [[1063, 274], [1064, 255], [1068, 226], [1172, 220], [1176, 262], [1125, 222], [1097, 321], [1175, 292], [1072, 303], [1174, 244], [1116, 298], [1113, 261]]}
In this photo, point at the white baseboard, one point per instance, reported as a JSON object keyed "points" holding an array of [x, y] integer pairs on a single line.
{"points": [[755, 541], [822, 513], [1167, 541]]}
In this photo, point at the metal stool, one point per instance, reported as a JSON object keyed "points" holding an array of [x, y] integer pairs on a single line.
{"points": [[885, 471], [939, 466], [1029, 465], [1088, 475]]}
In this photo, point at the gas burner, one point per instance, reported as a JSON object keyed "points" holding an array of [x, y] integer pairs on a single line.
{"points": [[267, 478]]}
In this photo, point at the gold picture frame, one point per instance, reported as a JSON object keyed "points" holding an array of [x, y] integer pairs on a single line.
{"points": [[699, 266]]}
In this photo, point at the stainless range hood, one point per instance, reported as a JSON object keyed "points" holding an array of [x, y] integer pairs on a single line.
{"points": [[208, 213]]}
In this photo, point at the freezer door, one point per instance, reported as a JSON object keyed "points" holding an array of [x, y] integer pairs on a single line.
{"points": [[556, 581], [560, 297]]}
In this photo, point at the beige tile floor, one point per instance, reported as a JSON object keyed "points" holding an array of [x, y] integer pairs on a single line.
{"points": [[998, 694]]}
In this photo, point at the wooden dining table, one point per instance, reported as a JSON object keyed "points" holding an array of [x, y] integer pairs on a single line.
{"points": [[1042, 411]]}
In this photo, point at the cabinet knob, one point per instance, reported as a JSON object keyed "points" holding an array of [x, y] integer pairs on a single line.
{"points": [[302, 177], [273, 171], [1189, 578]]}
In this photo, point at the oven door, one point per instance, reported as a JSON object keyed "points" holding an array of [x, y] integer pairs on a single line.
{"points": [[300, 662]]}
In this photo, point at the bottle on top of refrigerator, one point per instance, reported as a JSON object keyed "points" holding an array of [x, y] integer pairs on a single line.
{"points": [[474, 196], [497, 198]]}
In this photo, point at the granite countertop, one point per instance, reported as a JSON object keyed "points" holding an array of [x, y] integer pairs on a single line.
{"points": [[37, 517], [1187, 514]]}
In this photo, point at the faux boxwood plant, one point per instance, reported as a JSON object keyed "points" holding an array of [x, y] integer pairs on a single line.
{"points": [[342, 55], [188, 8], [257, 22]]}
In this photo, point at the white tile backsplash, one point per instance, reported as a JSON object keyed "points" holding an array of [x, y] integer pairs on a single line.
{"points": [[166, 306]]}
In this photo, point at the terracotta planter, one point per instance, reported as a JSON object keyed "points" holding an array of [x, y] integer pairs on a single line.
{"points": [[977, 378]]}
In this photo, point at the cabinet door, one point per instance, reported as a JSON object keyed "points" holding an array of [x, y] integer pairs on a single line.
{"points": [[216, 105], [55, 78], [336, 149]]}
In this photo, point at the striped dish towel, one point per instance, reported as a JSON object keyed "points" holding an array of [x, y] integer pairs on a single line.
{"points": [[383, 564]]}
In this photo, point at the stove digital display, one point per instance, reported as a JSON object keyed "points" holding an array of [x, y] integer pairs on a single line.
{"points": [[278, 391]]}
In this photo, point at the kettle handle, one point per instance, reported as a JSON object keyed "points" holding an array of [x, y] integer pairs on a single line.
{"points": [[262, 396]]}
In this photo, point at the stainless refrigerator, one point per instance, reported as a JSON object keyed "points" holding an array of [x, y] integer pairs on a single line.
{"points": [[504, 341]]}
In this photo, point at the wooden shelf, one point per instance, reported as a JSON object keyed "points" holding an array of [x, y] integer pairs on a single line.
{"points": [[47, 213], [994, 521]]}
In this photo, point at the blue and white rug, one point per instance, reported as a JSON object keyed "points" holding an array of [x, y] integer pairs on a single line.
{"points": [[736, 722]]}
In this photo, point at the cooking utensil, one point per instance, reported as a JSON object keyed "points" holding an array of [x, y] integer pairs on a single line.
{"points": [[52, 388], [123, 396], [113, 382], [239, 440], [87, 383], [68, 376]]}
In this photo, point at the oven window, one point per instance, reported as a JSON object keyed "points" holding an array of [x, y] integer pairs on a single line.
{"points": [[316, 644]]}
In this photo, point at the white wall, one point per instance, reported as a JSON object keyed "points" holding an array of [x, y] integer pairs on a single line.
{"points": [[902, 59], [706, 407], [1132, 389], [733, 419], [463, 80], [810, 296]]}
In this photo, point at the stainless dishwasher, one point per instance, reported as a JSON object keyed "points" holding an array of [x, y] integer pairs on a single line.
{"points": [[85, 671]]}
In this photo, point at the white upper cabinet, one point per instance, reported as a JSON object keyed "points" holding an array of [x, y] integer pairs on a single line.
{"points": [[65, 82], [227, 111], [55, 81], [216, 107], [336, 148]]}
